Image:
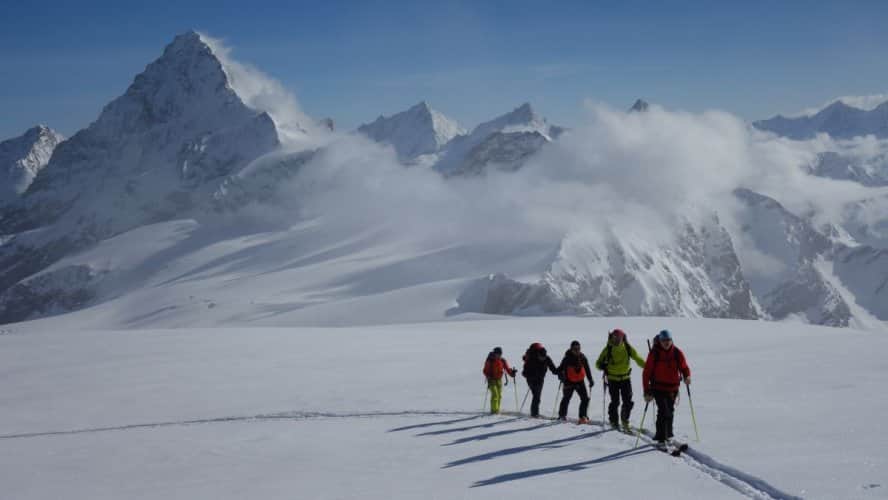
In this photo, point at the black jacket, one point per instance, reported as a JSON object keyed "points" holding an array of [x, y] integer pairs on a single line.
{"points": [[571, 359], [534, 367]]}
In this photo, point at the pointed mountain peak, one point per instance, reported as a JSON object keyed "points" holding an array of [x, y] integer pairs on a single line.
{"points": [[837, 106], [23, 157], [523, 117], [524, 112], [420, 107], [640, 106], [417, 131]]}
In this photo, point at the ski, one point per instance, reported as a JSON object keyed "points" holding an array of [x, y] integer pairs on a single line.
{"points": [[675, 449]]}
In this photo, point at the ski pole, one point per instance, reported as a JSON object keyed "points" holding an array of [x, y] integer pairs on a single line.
{"points": [[693, 417], [604, 385], [646, 404], [557, 394], [484, 401], [641, 426], [524, 400], [515, 386]]}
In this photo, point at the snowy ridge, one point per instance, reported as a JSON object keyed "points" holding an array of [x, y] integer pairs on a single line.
{"points": [[839, 120], [22, 158]]}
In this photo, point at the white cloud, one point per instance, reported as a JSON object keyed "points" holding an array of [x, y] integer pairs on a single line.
{"points": [[262, 92]]}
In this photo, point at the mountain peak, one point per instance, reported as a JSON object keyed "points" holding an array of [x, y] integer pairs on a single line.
{"points": [[23, 157], [420, 107], [640, 106], [417, 131]]}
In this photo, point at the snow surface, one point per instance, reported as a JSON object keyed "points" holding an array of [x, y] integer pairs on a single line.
{"points": [[784, 410]]}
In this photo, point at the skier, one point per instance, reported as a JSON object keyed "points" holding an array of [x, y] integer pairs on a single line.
{"points": [[535, 363], [663, 371], [614, 362], [494, 368], [572, 370]]}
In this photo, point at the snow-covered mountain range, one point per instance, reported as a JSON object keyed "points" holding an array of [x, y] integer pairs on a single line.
{"points": [[190, 191], [839, 120]]}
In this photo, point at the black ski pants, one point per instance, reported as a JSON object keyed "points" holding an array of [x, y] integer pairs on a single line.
{"points": [[569, 389], [622, 388], [665, 413], [536, 392]]}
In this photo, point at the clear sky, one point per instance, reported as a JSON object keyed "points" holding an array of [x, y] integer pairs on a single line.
{"points": [[60, 62]]}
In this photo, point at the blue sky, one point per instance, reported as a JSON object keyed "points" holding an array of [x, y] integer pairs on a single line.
{"points": [[61, 62]]}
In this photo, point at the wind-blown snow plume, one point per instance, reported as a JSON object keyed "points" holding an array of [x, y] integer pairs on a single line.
{"points": [[264, 93]]}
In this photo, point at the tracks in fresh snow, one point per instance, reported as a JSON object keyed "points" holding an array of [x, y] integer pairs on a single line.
{"points": [[736, 479], [242, 418], [746, 484]]}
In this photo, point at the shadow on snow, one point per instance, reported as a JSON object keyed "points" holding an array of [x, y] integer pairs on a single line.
{"points": [[557, 443], [514, 476]]}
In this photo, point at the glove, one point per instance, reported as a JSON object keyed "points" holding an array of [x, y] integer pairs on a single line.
{"points": [[514, 371], [591, 384], [648, 397], [688, 380], [561, 377]]}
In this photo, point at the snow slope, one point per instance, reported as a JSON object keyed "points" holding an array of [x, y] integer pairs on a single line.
{"points": [[392, 412]]}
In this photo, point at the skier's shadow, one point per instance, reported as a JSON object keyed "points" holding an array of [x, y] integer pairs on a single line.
{"points": [[488, 435], [432, 424], [563, 468], [470, 427], [557, 443]]}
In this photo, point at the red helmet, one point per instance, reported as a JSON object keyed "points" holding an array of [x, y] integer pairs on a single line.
{"points": [[619, 334], [536, 346]]}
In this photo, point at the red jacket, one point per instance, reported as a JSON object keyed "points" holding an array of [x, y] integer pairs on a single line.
{"points": [[494, 368], [664, 368]]}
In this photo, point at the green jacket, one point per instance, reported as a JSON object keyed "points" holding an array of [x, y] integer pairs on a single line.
{"points": [[618, 362]]}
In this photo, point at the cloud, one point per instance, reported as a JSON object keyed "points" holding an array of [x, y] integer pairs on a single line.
{"points": [[634, 175], [262, 92]]}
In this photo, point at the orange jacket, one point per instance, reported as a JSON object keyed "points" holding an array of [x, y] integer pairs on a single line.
{"points": [[494, 368]]}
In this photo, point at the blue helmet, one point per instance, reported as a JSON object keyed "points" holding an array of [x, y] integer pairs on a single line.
{"points": [[664, 335]]}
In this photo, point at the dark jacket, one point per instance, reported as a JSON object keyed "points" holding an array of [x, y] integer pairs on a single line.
{"points": [[576, 362], [534, 367]]}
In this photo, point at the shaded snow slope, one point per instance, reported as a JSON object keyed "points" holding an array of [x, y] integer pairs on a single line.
{"points": [[392, 412]]}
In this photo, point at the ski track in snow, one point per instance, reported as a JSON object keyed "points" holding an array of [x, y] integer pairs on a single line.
{"points": [[745, 484]]}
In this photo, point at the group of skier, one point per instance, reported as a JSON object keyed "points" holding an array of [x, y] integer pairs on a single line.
{"points": [[663, 371]]}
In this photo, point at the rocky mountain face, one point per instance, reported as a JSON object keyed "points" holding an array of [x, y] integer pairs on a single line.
{"points": [[703, 273], [870, 171], [423, 136], [839, 120], [22, 158], [502, 143], [159, 151], [698, 275]]}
